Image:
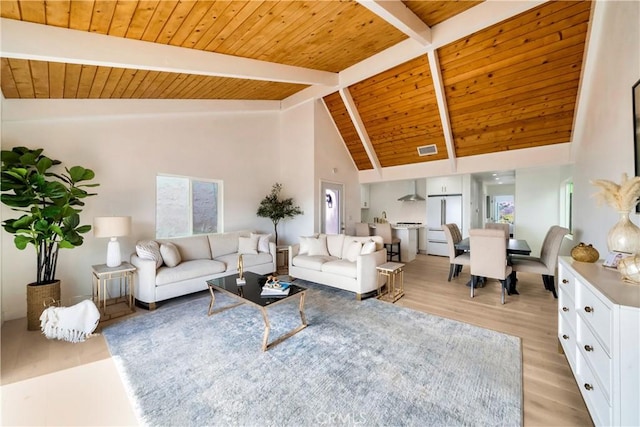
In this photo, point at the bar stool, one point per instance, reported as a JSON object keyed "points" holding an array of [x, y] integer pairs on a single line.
{"points": [[384, 230]]}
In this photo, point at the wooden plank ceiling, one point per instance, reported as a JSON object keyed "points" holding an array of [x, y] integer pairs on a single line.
{"points": [[511, 85]]}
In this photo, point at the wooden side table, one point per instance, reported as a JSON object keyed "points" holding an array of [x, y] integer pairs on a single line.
{"points": [[282, 260], [395, 281], [119, 305]]}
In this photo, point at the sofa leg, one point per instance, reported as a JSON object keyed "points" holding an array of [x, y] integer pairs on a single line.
{"points": [[152, 306], [358, 297]]}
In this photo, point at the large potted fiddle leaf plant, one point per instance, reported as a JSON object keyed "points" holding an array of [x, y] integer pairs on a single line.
{"points": [[49, 199]]}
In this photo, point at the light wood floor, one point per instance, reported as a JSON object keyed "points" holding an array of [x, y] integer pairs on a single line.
{"points": [[551, 396]]}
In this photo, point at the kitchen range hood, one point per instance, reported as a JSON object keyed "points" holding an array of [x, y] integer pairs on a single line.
{"points": [[413, 197]]}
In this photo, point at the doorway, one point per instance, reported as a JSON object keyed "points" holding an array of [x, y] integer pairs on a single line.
{"points": [[332, 198]]}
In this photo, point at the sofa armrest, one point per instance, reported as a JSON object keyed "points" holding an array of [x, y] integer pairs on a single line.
{"points": [[145, 288], [366, 269], [272, 251], [293, 252]]}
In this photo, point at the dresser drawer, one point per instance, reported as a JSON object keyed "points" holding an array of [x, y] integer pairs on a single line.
{"points": [[592, 394], [595, 313], [594, 354], [567, 337], [566, 281], [567, 307]]}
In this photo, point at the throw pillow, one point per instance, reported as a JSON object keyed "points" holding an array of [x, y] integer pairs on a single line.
{"points": [[368, 247], [149, 249], [263, 242], [353, 250], [170, 254], [248, 245], [318, 246], [304, 243]]}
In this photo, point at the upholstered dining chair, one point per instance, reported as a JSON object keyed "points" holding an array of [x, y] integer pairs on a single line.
{"points": [[546, 263], [362, 229], [488, 249], [391, 244], [457, 257], [499, 226]]}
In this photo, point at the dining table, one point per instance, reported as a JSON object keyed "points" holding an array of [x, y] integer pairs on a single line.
{"points": [[514, 247]]}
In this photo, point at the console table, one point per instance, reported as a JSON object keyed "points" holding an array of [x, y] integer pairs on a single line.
{"points": [[598, 320]]}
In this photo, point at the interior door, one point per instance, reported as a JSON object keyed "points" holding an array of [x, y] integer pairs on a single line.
{"points": [[331, 207]]}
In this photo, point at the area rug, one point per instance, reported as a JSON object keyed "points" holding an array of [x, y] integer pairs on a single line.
{"points": [[367, 363]]}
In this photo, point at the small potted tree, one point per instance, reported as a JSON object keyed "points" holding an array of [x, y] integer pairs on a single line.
{"points": [[50, 202], [277, 209]]}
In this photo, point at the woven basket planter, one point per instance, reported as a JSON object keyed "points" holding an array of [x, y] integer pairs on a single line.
{"points": [[38, 298]]}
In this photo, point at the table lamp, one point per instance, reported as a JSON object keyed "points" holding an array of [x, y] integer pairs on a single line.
{"points": [[113, 227]]}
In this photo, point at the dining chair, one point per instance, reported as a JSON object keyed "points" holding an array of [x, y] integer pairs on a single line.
{"points": [[548, 260], [383, 229], [488, 249], [499, 226], [457, 257], [362, 229]]}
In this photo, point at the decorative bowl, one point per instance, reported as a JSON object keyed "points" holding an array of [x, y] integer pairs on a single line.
{"points": [[629, 268], [585, 253]]}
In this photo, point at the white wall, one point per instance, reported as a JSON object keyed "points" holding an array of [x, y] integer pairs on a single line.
{"points": [[126, 153], [383, 197], [605, 147], [333, 163], [537, 200]]}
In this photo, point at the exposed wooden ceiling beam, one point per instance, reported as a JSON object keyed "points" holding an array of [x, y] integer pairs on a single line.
{"points": [[400, 16], [360, 128], [25, 40], [438, 87]]}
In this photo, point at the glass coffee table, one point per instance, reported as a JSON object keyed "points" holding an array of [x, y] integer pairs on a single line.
{"points": [[249, 293]]}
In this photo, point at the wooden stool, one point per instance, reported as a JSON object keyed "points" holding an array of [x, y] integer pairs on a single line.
{"points": [[395, 281]]}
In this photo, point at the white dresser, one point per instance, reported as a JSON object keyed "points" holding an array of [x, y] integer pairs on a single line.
{"points": [[599, 329]]}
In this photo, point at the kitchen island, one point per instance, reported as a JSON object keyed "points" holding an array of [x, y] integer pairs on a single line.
{"points": [[408, 235]]}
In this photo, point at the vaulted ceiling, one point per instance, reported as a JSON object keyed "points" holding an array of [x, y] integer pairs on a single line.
{"points": [[461, 78]]}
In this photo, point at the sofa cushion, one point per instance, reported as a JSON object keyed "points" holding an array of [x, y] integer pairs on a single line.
{"points": [[334, 244], [353, 249], [318, 246], [223, 244], [341, 267], [311, 262], [368, 247], [170, 254], [248, 260], [304, 243], [149, 249], [248, 245], [188, 270], [263, 242], [192, 247]]}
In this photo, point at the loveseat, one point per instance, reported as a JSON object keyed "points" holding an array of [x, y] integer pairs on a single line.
{"points": [[338, 260], [168, 268]]}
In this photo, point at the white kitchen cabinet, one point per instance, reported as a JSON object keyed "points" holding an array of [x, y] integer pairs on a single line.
{"points": [[444, 185], [364, 196], [598, 319]]}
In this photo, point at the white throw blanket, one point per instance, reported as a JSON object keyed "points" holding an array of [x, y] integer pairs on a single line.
{"points": [[73, 324]]}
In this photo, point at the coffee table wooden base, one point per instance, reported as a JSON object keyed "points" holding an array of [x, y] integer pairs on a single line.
{"points": [[266, 345]]}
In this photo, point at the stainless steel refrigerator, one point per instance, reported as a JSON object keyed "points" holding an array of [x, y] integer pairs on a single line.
{"points": [[441, 210]]}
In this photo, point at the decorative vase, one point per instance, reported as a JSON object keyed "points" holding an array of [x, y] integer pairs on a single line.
{"points": [[38, 296], [585, 253], [629, 268], [624, 236]]}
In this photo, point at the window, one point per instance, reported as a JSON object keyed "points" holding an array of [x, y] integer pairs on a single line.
{"points": [[186, 206]]}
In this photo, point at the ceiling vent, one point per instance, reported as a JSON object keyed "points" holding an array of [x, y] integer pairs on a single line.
{"points": [[428, 150]]}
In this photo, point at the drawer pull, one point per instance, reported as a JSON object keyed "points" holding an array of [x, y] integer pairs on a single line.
{"points": [[588, 386], [565, 337], [565, 309], [588, 347], [588, 309], [565, 281]]}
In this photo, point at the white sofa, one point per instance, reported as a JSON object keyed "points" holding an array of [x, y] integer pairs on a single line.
{"points": [[335, 260], [199, 259]]}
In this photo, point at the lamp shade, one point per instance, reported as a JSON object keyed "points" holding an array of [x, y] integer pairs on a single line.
{"points": [[111, 226]]}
